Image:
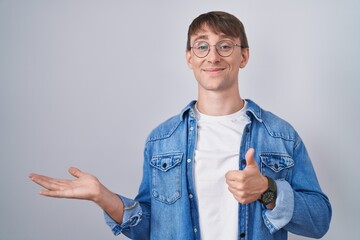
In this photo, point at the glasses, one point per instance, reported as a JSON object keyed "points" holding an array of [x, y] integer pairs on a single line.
{"points": [[224, 48]]}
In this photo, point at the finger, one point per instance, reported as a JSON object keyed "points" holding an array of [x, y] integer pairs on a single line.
{"points": [[48, 193], [234, 186], [33, 176], [37, 177], [67, 193], [238, 195], [75, 172], [249, 157], [232, 190], [232, 175], [47, 182]]}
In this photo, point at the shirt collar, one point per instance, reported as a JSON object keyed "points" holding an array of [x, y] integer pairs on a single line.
{"points": [[187, 108], [252, 109]]}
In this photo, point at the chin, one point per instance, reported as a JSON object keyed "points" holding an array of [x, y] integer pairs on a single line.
{"points": [[213, 87]]}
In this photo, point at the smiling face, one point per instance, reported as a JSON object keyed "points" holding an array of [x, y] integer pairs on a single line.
{"points": [[214, 72]]}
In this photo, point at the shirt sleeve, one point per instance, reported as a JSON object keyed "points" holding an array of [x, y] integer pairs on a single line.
{"points": [[132, 216], [281, 215]]}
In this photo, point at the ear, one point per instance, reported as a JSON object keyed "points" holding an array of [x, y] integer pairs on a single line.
{"points": [[245, 54], [189, 59]]}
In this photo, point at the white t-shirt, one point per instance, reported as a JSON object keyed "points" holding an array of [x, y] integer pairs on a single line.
{"points": [[217, 152]]}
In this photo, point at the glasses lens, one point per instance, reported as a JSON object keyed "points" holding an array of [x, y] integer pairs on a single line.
{"points": [[201, 48], [225, 48]]}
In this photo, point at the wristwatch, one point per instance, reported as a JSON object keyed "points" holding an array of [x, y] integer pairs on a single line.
{"points": [[270, 194]]}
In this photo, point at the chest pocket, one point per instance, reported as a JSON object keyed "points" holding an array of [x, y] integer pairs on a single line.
{"points": [[166, 177], [276, 165]]}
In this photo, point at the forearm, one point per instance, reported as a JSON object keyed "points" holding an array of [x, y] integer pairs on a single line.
{"points": [[312, 209], [305, 213], [312, 214]]}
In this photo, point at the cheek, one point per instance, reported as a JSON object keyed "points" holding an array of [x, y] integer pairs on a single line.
{"points": [[195, 65], [236, 66], [190, 61]]}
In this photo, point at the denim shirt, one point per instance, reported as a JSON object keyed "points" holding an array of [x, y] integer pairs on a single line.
{"points": [[166, 205]]}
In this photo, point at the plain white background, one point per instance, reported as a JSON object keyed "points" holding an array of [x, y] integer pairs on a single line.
{"points": [[82, 83]]}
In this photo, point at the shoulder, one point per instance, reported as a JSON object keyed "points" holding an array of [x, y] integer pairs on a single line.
{"points": [[274, 125], [165, 129], [168, 127], [278, 127]]}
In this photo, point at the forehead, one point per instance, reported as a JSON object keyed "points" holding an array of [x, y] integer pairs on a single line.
{"points": [[209, 33]]}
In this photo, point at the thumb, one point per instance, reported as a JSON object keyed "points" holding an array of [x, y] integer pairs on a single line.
{"points": [[75, 172], [249, 157]]}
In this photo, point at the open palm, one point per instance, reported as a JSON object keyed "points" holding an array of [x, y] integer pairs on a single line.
{"points": [[84, 186]]}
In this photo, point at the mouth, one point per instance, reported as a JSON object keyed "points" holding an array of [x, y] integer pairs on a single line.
{"points": [[213, 70]]}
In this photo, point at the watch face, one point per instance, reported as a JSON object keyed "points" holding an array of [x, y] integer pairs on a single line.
{"points": [[270, 194], [267, 197]]}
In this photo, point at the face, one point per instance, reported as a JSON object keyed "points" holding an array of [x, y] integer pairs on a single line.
{"points": [[214, 72]]}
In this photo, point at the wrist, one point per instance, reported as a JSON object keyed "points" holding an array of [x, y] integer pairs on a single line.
{"points": [[264, 186], [98, 193], [110, 203], [102, 196], [268, 197]]}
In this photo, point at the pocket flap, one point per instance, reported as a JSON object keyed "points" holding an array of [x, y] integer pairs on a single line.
{"points": [[276, 161], [164, 162]]}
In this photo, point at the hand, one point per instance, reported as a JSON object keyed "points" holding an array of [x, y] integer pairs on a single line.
{"points": [[84, 186], [247, 185]]}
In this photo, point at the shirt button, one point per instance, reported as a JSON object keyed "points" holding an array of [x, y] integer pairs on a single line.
{"points": [[195, 229], [189, 160], [190, 196], [191, 128], [242, 235]]}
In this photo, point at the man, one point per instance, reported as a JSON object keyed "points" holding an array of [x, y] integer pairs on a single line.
{"points": [[222, 169]]}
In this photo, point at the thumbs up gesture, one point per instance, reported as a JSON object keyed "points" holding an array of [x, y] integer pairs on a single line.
{"points": [[248, 184]]}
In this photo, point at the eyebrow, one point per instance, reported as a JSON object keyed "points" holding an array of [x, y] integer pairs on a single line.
{"points": [[201, 37], [206, 37]]}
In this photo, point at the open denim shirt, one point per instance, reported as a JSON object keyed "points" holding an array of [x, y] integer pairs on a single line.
{"points": [[166, 205]]}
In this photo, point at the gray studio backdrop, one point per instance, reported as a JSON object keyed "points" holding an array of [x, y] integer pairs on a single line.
{"points": [[83, 82]]}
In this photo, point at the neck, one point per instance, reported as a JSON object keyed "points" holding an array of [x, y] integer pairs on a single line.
{"points": [[220, 104]]}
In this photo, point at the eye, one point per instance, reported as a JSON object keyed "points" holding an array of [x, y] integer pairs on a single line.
{"points": [[201, 46], [225, 46]]}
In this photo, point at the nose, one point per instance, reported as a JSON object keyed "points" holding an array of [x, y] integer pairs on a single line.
{"points": [[213, 55]]}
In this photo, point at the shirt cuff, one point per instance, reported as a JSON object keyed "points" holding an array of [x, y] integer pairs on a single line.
{"points": [[281, 215], [132, 216]]}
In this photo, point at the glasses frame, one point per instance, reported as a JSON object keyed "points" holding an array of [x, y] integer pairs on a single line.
{"points": [[216, 47]]}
